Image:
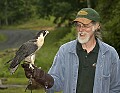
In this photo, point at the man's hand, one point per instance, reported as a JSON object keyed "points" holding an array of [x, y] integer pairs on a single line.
{"points": [[38, 75]]}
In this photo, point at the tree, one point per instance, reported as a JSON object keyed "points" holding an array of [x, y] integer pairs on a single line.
{"points": [[62, 10], [110, 20], [21, 10], [16, 10]]}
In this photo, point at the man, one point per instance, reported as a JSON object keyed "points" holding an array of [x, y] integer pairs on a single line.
{"points": [[84, 65]]}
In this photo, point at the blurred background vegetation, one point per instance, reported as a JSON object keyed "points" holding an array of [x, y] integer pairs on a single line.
{"points": [[55, 16]]}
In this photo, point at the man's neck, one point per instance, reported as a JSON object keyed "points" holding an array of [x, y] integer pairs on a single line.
{"points": [[89, 46]]}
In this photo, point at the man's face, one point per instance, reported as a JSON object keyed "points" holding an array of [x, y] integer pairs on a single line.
{"points": [[85, 31]]}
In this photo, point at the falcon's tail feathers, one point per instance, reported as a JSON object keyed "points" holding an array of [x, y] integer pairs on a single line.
{"points": [[12, 70]]}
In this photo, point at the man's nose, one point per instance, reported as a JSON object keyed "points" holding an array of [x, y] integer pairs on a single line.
{"points": [[81, 29]]}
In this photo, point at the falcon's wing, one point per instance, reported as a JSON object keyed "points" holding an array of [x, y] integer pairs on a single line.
{"points": [[25, 50]]}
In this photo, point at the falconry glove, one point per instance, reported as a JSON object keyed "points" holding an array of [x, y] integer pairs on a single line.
{"points": [[39, 76]]}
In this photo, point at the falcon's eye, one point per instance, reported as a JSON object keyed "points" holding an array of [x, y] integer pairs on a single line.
{"points": [[44, 33]]}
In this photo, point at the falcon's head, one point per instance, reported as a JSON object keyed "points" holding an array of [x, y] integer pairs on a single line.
{"points": [[40, 37], [41, 33]]}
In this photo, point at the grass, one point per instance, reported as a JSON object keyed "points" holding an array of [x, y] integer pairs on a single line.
{"points": [[20, 90], [16, 81], [2, 38], [19, 81]]}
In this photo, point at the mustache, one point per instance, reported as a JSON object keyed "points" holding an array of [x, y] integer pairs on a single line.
{"points": [[82, 33]]}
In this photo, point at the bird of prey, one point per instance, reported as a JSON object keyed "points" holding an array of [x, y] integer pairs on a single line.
{"points": [[27, 51]]}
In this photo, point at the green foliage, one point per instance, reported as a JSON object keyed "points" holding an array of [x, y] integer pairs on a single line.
{"points": [[110, 19], [62, 10], [33, 24], [68, 37], [17, 11]]}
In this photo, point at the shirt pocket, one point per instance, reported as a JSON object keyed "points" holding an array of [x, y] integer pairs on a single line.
{"points": [[105, 83]]}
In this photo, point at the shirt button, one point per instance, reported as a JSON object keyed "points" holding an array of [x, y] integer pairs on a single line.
{"points": [[73, 90], [103, 56]]}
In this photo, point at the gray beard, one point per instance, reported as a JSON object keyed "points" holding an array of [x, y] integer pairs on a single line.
{"points": [[82, 40]]}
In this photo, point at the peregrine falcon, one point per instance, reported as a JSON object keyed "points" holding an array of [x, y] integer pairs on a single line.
{"points": [[27, 51]]}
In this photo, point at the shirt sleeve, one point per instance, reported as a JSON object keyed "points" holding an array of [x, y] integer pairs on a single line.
{"points": [[57, 72], [115, 75]]}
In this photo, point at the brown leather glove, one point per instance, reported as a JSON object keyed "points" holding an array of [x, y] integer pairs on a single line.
{"points": [[39, 76]]}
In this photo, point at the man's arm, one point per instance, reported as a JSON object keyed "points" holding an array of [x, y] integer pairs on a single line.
{"points": [[115, 76]]}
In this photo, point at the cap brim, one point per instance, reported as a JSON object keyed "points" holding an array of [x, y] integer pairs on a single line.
{"points": [[83, 20]]}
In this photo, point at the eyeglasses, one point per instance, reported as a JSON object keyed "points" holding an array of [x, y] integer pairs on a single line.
{"points": [[81, 25]]}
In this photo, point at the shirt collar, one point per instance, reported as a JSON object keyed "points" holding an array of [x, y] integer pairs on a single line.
{"points": [[79, 46], [95, 49], [103, 48]]}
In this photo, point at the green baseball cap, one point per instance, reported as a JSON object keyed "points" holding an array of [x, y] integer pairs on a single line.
{"points": [[86, 15]]}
